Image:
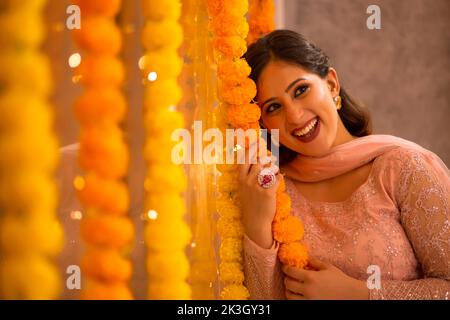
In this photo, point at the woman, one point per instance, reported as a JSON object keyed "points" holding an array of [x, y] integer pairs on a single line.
{"points": [[369, 203]]}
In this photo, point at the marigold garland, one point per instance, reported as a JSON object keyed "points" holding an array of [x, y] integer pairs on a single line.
{"points": [[30, 235], [105, 227], [166, 233], [236, 91], [261, 19]]}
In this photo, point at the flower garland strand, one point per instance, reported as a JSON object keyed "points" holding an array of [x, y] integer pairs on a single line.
{"points": [[261, 18], [30, 235], [105, 227], [166, 232], [229, 30]]}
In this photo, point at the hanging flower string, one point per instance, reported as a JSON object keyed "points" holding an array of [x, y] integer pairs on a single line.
{"points": [[105, 226], [166, 232], [229, 29], [260, 18], [30, 235]]}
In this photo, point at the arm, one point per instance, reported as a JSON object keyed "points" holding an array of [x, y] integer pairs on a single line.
{"points": [[263, 276], [423, 198]]}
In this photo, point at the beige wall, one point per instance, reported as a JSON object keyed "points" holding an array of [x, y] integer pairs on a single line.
{"points": [[400, 72]]}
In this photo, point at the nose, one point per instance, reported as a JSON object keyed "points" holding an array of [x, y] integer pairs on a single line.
{"points": [[294, 114]]}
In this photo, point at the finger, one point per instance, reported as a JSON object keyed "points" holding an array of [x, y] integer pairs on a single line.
{"points": [[254, 171], [294, 285], [296, 273], [245, 158], [317, 264], [292, 296]]}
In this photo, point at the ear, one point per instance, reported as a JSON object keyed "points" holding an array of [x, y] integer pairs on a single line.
{"points": [[333, 82]]}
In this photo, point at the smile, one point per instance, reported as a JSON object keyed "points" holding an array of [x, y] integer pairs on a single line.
{"points": [[309, 131]]}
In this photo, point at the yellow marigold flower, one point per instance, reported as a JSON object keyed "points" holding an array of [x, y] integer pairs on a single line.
{"points": [[164, 266], [165, 177], [108, 8], [101, 71], [228, 182], [169, 290], [233, 71], [288, 230], [159, 151], [230, 228], [155, 35], [26, 235], [167, 204], [111, 231], [161, 9], [99, 35], [232, 46], [231, 272], [161, 94], [227, 208], [235, 8], [166, 63], [244, 116], [283, 202], [231, 250], [234, 292], [100, 104], [167, 236], [163, 122], [34, 65], [293, 254], [23, 278], [16, 190], [21, 29], [96, 290], [106, 265]]}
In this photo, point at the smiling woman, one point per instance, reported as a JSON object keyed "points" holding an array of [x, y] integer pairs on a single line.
{"points": [[365, 200]]}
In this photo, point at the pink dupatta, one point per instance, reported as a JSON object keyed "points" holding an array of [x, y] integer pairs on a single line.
{"points": [[353, 154]]}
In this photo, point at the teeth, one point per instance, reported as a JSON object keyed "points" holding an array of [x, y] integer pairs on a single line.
{"points": [[306, 130]]}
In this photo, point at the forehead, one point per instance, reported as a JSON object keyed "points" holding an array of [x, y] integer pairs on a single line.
{"points": [[276, 76]]}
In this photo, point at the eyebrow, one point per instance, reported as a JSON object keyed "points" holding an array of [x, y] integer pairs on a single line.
{"points": [[287, 89]]}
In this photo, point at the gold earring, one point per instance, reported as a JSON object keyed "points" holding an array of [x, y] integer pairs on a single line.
{"points": [[338, 102]]}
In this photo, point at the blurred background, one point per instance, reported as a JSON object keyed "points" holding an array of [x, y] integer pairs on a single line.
{"points": [[400, 72]]}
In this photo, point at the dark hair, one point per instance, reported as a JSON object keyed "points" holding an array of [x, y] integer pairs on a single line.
{"points": [[292, 47]]}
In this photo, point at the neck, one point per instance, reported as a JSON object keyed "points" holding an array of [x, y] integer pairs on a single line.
{"points": [[342, 135]]}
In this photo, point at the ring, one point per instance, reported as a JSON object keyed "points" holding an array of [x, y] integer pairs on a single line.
{"points": [[266, 178]]}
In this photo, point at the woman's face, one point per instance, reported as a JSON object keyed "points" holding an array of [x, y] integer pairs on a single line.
{"points": [[300, 104]]}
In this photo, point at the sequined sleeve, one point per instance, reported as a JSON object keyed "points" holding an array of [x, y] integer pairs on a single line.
{"points": [[263, 276], [422, 193]]}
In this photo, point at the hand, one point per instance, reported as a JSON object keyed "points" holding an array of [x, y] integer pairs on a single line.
{"points": [[258, 204], [326, 282]]}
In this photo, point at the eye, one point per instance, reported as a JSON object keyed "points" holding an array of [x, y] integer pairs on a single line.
{"points": [[272, 107], [300, 90]]}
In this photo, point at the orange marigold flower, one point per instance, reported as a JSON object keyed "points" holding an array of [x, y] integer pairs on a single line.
{"points": [[293, 254], [107, 8], [106, 265], [102, 104], [223, 25], [111, 231], [238, 93], [283, 206], [243, 116], [96, 290], [99, 35], [288, 230], [101, 71], [234, 292], [232, 46], [234, 71]]}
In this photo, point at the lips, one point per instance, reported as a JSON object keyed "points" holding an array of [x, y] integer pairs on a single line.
{"points": [[305, 128], [310, 131]]}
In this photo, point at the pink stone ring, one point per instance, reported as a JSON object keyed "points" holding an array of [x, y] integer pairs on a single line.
{"points": [[266, 178]]}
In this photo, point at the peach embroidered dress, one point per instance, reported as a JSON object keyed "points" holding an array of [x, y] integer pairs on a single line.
{"points": [[398, 220]]}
